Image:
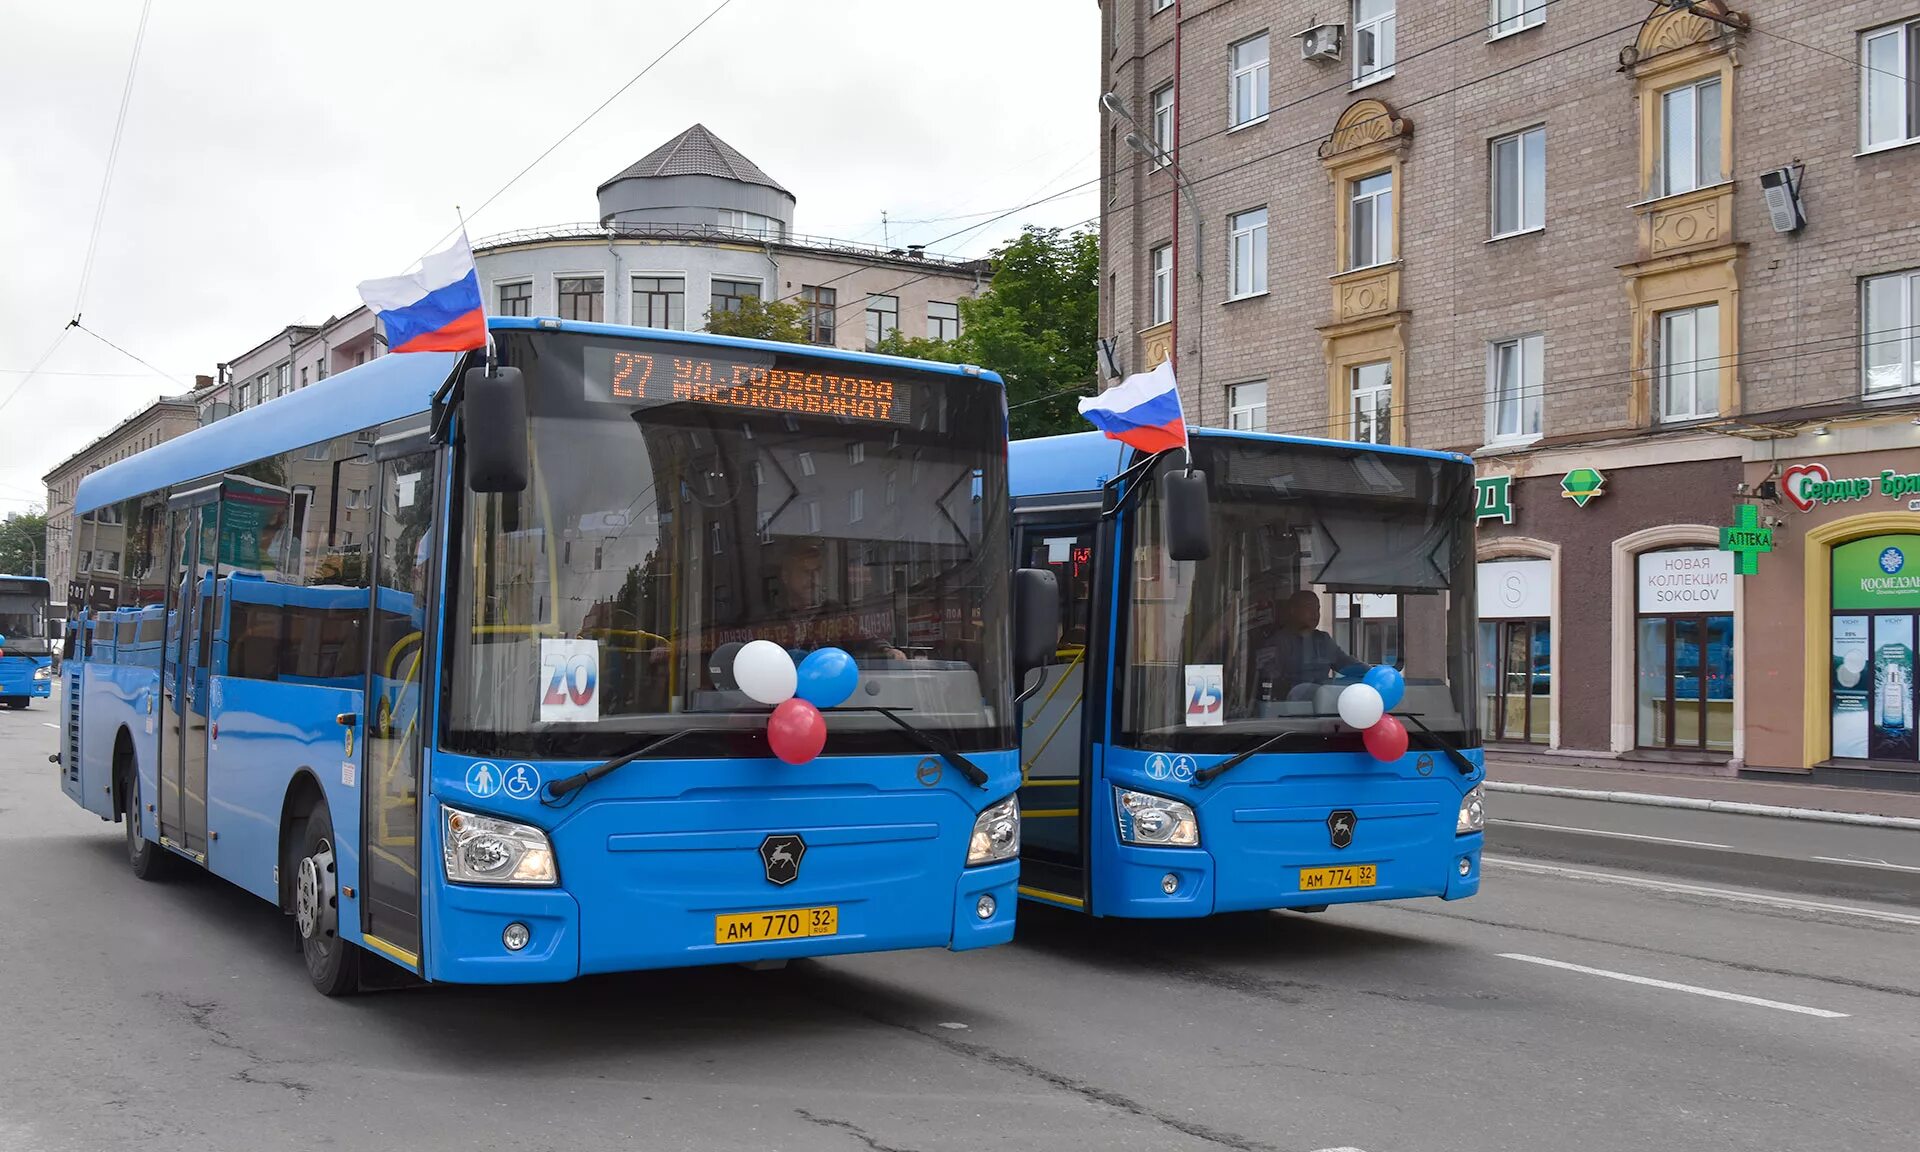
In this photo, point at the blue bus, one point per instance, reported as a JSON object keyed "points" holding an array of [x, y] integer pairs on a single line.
{"points": [[1184, 755], [26, 653], [437, 656]]}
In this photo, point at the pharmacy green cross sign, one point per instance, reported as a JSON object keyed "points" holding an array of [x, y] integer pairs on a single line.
{"points": [[1746, 539]]}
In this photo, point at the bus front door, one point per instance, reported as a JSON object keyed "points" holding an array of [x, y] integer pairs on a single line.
{"points": [[1053, 736]]}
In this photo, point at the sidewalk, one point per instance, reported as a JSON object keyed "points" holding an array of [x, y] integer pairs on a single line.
{"points": [[1506, 768]]}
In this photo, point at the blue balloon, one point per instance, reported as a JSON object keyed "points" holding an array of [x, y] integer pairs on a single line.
{"points": [[1387, 681], [827, 677]]}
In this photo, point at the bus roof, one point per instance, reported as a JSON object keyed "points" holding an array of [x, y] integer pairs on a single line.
{"points": [[4, 579], [1084, 461], [383, 389]]}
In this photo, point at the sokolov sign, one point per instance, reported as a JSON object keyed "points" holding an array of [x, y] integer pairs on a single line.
{"points": [[1807, 486], [1682, 582]]}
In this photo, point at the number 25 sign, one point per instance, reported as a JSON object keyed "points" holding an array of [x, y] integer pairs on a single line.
{"points": [[569, 680]]}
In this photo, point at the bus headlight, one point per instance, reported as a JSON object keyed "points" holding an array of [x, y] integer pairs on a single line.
{"points": [[996, 833], [484, 850], [43, 672], [1473, 812], [1154, 820]]}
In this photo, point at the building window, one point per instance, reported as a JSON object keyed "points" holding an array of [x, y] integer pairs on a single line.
{"points": [[1892, 308], [1370, 221], [856, 505], [516, 299], [753, 224], [1247, 407], [1163, 122], [1162, 264], [1890, 85], [245, 395], [1247, 85], [730, 295], [883, 318], [660, 302], [1688, 360], [1520, 182], [1372, 40], [1159, 6], [943, 320], [1690, 137], [285, 374], [1371, 386], [1516, 373], [1247, 254], [582, 298], [303, 376], [857, 453], [1510, 16], [807, 466], [821, 305]]}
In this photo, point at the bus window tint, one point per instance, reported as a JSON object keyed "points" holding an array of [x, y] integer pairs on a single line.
{"points": [[661, 531], [1324, 561]]}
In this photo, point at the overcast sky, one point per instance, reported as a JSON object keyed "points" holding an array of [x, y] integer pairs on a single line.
{"points": [[272, 159]]}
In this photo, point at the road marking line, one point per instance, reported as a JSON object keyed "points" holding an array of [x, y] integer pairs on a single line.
{"points": [[1701, 890], [1867, 863], [49, 724], [1616, 835], [1650, 982]]}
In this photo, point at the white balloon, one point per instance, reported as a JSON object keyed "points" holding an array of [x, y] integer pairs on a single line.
{"points": [[764, 671], [1361, 706]]}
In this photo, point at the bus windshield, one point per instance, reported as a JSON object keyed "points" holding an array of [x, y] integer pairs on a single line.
{"points": [[23, 621], [1325, 559], [686, 499]]}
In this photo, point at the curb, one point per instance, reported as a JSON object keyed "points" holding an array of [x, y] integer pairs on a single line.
{"points": [[1737, 807]]}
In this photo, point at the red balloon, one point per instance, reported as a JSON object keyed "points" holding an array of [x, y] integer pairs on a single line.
{"points": [[797, 731], [1387, 739]]}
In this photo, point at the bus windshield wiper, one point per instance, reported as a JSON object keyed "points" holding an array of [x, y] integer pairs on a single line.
{"points": [[975, 775], [581, 779], [1207, 774], [1454, 755]]}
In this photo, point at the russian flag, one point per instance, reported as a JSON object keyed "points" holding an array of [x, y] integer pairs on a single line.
{"points": [[1143, 410], [437, 309]]}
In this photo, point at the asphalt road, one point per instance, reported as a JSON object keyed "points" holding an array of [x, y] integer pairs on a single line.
{"points": [[1566, 1008]]}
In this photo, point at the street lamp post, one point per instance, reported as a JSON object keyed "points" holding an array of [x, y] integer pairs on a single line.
{"points": [[1153, 151]]}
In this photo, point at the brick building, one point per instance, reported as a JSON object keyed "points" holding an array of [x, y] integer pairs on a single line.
{"points": [[1657, 268]]}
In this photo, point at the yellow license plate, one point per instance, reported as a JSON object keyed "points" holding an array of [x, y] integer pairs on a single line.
{"points": [[1344, 876], [788, 924]]}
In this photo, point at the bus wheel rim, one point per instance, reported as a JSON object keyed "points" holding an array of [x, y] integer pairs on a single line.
{"points": [[313, 894]]}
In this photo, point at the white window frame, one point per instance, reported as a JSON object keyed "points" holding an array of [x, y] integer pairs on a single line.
{"points": [[1509, 17], [1383, 28], [1160, 279], [1158, 6], [1383, 238], [1668, 373], [1247, 251], [1162, 122], [1903, 335], [1667, 185], [1244, 413], [1256, 77], [1383, 428], [633, 317], [1906, 35], [1530, 211], [1528, 392]]}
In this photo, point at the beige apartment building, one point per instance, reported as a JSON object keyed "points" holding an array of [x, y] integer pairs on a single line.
{"points": [[1656, 266]]}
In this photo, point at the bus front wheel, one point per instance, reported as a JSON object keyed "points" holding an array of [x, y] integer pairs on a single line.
{"points": [[333, 964], [17, 702]]}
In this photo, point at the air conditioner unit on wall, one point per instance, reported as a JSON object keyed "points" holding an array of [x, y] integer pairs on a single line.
{"points": [[1321, 42]]}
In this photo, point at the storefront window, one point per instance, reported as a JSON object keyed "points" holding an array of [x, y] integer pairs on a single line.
{"points": [[1684, 651], [1516, 650], [1876, 614]]}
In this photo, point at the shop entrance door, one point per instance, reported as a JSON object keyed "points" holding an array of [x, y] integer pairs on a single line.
{"points": [[1519, 701], [1685, 679]]}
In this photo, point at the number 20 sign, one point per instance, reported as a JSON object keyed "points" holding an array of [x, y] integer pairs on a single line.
{"points": [[569, 680]]}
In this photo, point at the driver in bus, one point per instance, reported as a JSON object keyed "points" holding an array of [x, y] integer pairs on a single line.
{"points": [[810, 614], [1299, 657]]}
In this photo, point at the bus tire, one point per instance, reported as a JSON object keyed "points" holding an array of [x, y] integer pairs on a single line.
{"points": [[16, 702], [333, 964], [148, 860]]}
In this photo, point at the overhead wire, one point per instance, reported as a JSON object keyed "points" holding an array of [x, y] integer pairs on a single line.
{"points": [[113, 155]]}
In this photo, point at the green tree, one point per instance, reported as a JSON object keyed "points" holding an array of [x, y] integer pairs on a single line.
{"points": [[1035, 326], [762, 320], [23, 545]]}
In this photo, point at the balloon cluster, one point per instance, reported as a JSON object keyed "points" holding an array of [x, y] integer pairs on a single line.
{"points": [[1366, 706], [824, 678]]}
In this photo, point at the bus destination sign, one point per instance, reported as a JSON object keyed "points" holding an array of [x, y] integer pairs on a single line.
{"points": [[636, 376]]}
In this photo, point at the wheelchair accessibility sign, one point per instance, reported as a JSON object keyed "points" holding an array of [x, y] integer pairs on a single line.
{"points": [[521, 782]]}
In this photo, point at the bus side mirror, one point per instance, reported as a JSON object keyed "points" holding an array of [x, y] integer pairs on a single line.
{"points": [[493, 421], [1036, 622], [1189, 526]]}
